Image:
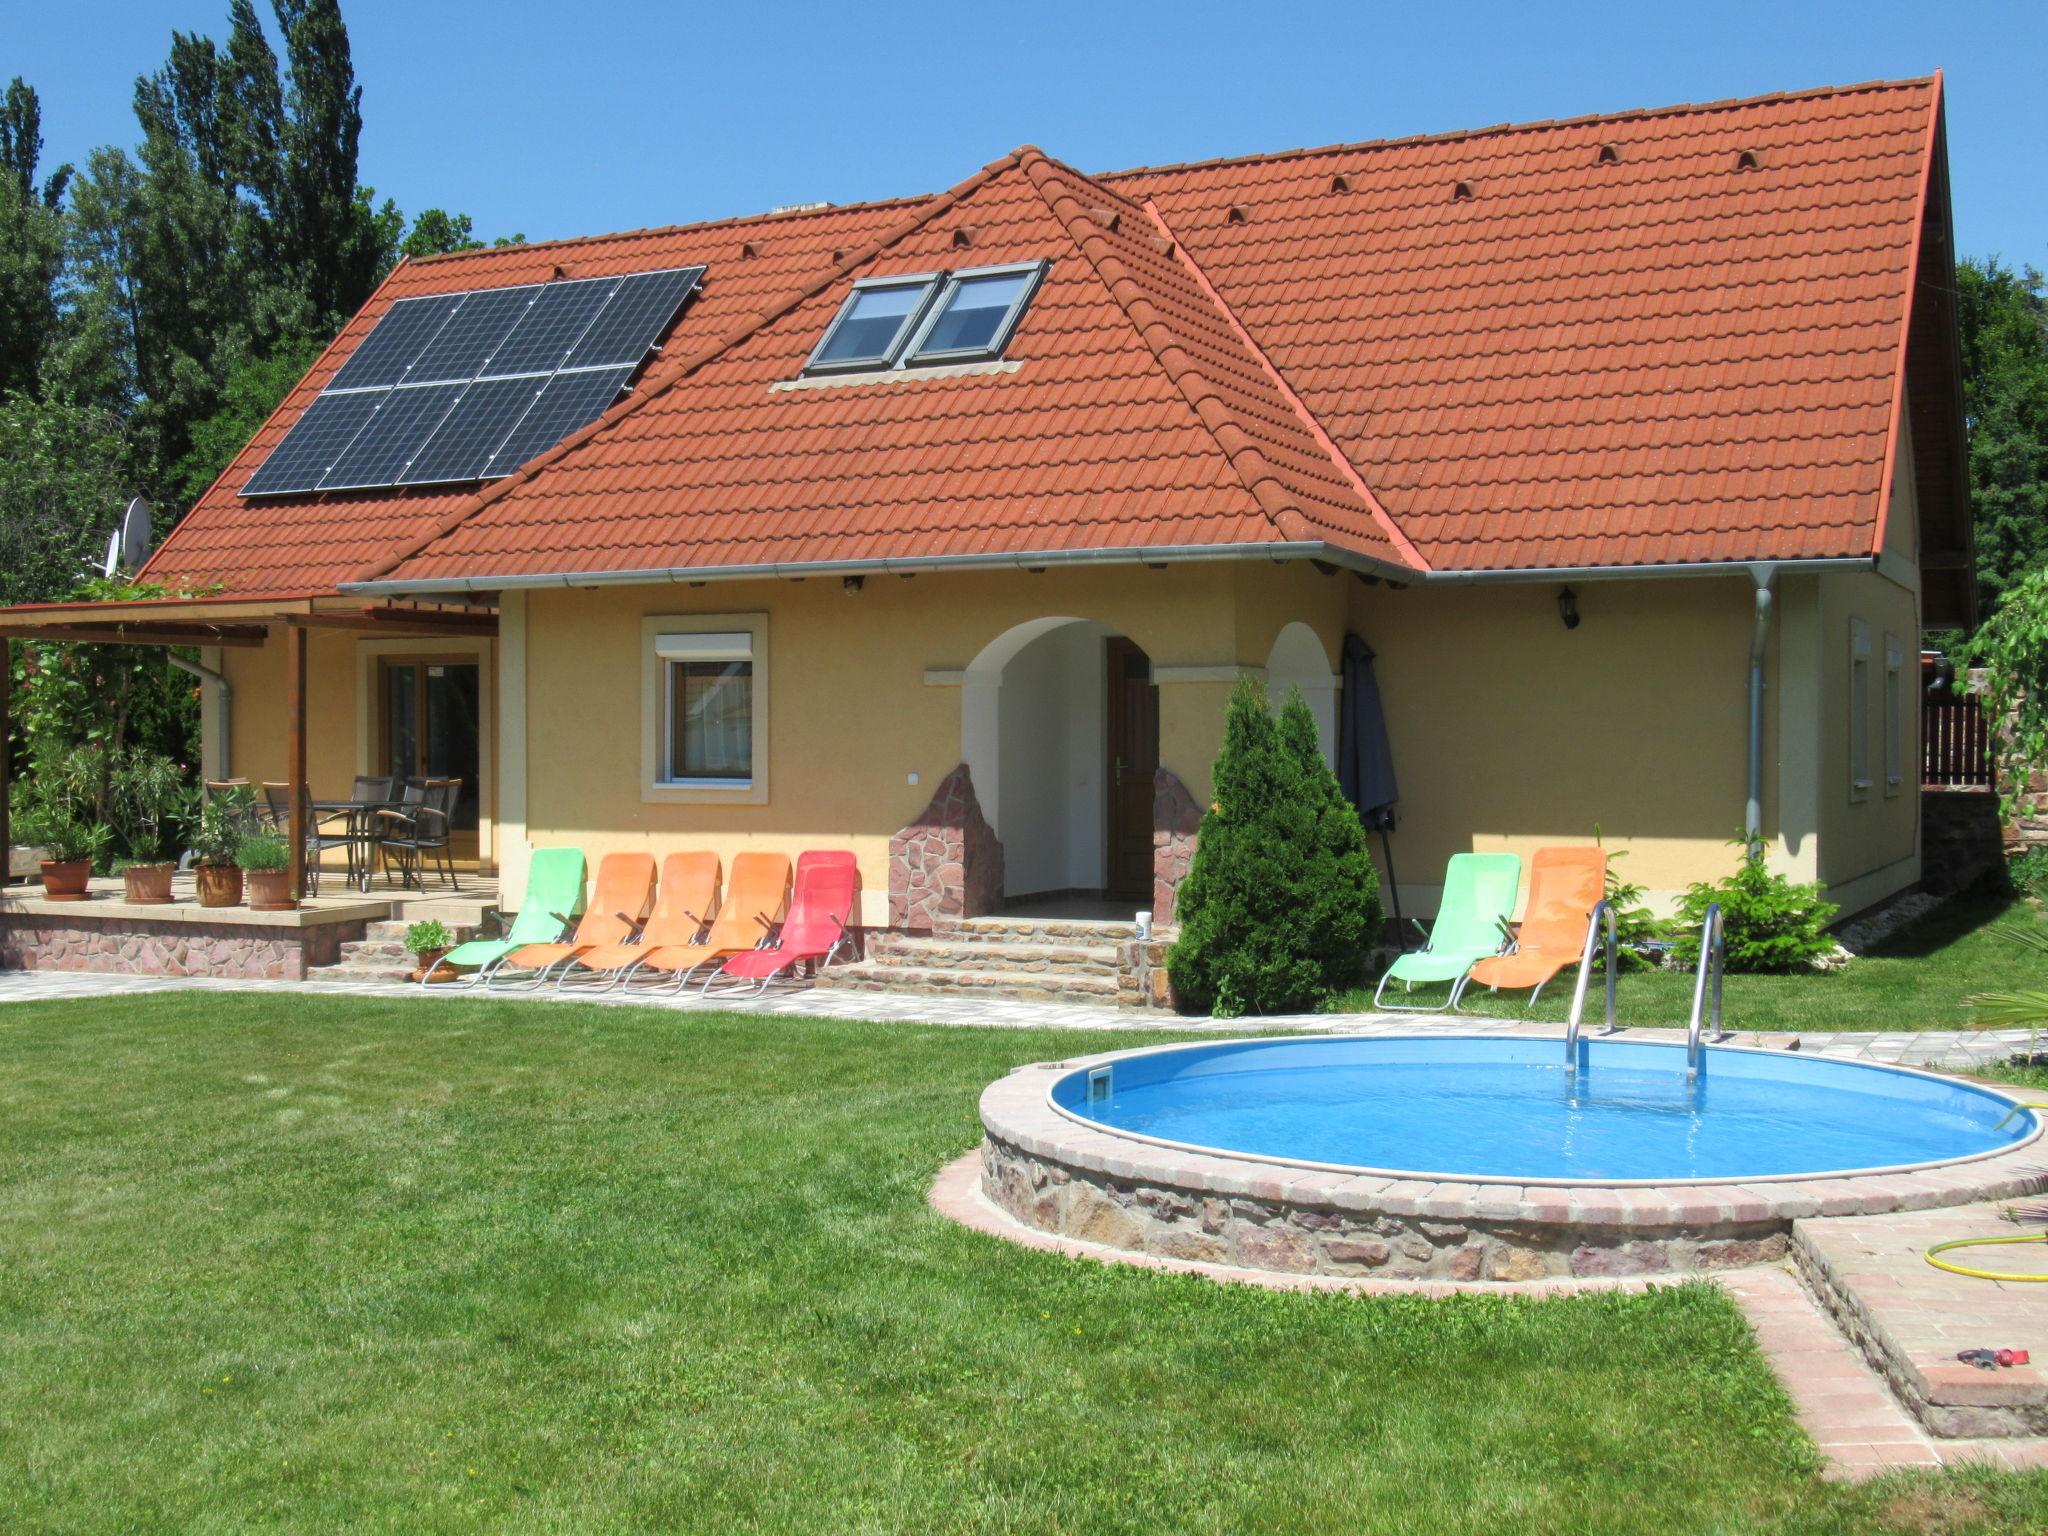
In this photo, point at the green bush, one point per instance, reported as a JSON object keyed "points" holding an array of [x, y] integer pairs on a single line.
{"points": [[223, 820], [1767, 922], [2028, 873], [262, 851], [1636, 927], [1281, 901], [63, 836]]}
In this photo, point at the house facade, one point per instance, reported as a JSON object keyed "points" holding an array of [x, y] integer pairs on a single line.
{"points": [[940, 528]]}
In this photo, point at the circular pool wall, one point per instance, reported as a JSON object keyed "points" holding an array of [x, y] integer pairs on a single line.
{"points": [[1482, 1157]]}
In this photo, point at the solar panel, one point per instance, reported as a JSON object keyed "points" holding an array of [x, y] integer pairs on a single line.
{"points": [[554, 324], [639, 314], [468, 386], [462, 445], [569, 401], [403, 421], [316, 440], [384, 355]]}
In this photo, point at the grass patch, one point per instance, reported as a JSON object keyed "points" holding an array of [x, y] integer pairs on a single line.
{"points": [[409, 1266], [1915, 981]]}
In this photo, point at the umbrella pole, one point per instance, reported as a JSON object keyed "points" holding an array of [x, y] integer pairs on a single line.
{"points": [[1394, 885]]}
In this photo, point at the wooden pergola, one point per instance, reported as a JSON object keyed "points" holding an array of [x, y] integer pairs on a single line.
{"points": [[230, 623]]}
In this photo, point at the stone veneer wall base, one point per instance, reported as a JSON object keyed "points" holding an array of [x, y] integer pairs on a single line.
{"points": [[35, 942]]}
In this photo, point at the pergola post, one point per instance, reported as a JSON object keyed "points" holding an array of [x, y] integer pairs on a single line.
{"points": [[295, 756]]}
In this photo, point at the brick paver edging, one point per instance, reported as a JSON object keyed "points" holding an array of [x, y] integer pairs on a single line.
{"points": [[1063, 1177]]}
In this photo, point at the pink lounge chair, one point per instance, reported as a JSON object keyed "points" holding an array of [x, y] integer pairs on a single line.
{"points": [[820, 909]]}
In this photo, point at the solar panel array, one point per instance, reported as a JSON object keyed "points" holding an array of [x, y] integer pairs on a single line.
{"points": [[468, 386]]}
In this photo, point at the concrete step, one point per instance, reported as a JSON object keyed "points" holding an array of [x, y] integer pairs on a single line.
{"points": [[361, 970], [991, 955], [1049, 986], [1033, 930], [464, 922]]}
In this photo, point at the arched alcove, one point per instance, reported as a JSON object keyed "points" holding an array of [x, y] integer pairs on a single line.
{"points": [[1298, 660]]}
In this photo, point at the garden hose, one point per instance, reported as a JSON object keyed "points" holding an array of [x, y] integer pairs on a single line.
{"points": [[1985, 1242], [1979, 1242]]}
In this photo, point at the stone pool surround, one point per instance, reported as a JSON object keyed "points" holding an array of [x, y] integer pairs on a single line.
{"points": [[1064, 1177]]}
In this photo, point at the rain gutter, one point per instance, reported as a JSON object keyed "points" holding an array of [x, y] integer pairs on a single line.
{"points": [[224, 691]]}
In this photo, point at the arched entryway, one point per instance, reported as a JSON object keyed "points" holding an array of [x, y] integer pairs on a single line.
{"points": [[1060, 729]]}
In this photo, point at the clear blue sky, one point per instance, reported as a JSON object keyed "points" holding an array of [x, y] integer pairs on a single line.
{"points": [[596, 115]]}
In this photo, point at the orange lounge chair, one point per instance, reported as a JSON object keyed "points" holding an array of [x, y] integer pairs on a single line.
{"points": [[1565, 885], [683, 909], [618, 905], [746, 920], [827, 887]]}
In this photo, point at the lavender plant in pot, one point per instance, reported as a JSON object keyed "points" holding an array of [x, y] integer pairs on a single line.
{"points": [[265, 863]]}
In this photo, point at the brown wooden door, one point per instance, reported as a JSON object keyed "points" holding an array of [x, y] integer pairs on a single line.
{"points": [[1133, 745]]}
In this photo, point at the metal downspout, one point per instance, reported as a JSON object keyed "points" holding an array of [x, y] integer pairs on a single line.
{"points": [[1759, 642], [226, 695]]}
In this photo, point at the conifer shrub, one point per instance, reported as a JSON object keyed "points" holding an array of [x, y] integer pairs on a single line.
{"points": [[1281, 901], [1768, 923]]}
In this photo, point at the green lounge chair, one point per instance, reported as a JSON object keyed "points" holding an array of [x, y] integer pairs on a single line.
{"points": [[1471, 923], [554, 894]]}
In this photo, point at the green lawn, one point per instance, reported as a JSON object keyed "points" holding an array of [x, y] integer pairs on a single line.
{"points": [[1916, 981], [412, 1266]]}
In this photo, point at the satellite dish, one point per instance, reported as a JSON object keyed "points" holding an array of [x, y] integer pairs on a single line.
{"points": [[128, 544]]}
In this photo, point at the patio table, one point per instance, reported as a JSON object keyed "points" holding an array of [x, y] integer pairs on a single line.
{"points": [[359, 828]]}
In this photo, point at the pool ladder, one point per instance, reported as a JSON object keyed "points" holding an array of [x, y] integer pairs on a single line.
{"points": [[1713, 954]]}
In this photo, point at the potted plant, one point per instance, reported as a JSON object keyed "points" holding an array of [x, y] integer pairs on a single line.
{"points": [[151, 804], [265, 863], [145, 882], [427, 941], [221, 824], [69, 845]]}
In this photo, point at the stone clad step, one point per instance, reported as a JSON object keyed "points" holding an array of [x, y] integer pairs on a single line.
{"points": [[1048, 986], [991, 955], [1033, 930]]}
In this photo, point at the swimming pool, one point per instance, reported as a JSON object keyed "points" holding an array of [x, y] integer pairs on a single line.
{"points": [[1469, 1158], [1495, 1108]]}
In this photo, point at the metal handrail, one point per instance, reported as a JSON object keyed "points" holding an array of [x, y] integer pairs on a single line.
{"points": [[1713, 956], [1571, 1028]]}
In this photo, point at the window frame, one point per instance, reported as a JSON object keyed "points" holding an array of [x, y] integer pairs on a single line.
{"points": [[1860, 771], [1894, 716], [930, 282], [657, 787], [913, 355]]}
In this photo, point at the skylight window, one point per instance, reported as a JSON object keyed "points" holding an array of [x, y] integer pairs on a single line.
{"points": [[975, 314], [869, 330], [927, 318]]}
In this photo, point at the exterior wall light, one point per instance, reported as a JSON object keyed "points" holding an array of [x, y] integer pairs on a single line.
{"points": [[1568, 607]]}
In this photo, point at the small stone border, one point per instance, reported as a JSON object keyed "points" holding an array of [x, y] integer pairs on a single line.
{"points": [[1062, 1177]]}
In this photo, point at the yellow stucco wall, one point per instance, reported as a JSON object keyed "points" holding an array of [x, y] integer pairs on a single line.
{"points": [[851, 713], [1511, 732], [1861, 837]]}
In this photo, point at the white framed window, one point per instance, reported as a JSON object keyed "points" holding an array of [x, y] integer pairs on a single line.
{"points": [[1894, 715], [1859, 710], [704, 728]]}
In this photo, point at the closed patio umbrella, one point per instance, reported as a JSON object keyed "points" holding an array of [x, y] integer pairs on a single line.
{"points": [[1365, 758]]}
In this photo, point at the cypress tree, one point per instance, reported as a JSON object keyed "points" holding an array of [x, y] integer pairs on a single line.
{"points": [[1281, 899]]}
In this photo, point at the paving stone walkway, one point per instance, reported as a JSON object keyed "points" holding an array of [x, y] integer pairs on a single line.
{"points": [[1942, 1048]]}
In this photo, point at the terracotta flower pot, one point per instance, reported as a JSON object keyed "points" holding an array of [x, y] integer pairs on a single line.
{"points": [[148, 885], [425, 960], [220, 885], [270, 890], [65, 879]]}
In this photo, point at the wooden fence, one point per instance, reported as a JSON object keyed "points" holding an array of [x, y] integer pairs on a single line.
{"points": [[1955, 739]]}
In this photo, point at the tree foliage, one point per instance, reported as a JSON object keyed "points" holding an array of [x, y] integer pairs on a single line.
{"points": [[1768, 923], [62, 478], [2004, 322], [2011, 648], [1281, 902]]}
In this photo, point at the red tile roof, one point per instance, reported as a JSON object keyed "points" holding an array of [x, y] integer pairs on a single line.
{"points": [[1620, 348]]}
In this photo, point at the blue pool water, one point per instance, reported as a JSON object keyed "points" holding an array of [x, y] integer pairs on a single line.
{"points": [[1509, 1109]]}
